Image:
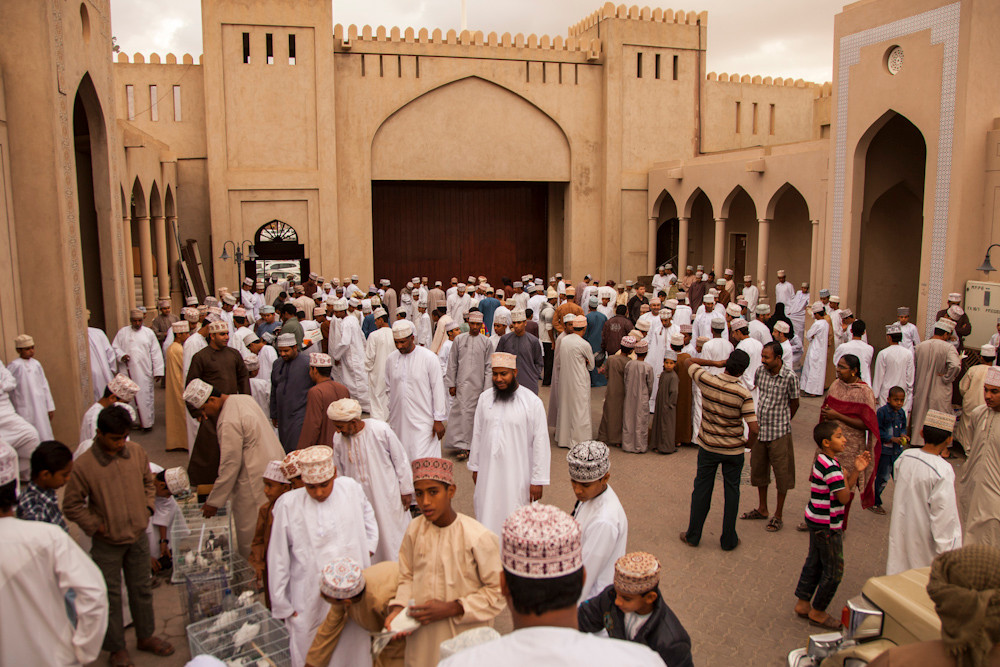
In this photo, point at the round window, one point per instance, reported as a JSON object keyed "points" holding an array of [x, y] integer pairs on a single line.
{"points": [[894, 60]]}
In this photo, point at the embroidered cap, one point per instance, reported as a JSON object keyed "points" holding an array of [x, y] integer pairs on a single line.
{"points": [[475, 317], [737, 324], [992, 376], [734, 310], [893, 328], [286, 340], [177, 481], [8, 464], [677, 339], [123, 387], [316, 464], [252, 362], [504, 360], [642, 347], [588, 461], [197, 392], [637, 573], [954, 297], [628, 342], [942, 420], [762, 309], [402, 329], [902, 311], [945, 325], [218, 328], [290, 464], [342, 579], [181, 327], [434, 469], [516, 316], [988, 351], [782, 327], [320, 360], [541, 542]]}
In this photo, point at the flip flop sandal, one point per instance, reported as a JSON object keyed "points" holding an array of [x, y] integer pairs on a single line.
{"points": [[753, 515], [774, 525], [830, 623], [157, 646], [802, 527], [877, 509]]}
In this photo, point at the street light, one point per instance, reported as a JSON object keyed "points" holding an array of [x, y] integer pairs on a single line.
{"points": [[238, 257], [986, 266]]}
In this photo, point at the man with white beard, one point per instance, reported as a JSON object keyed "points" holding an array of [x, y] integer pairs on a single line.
{"points": [[140, 354], [349, 355], [510, 456]]}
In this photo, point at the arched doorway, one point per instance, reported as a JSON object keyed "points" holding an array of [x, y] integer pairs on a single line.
{"points": [[701, 231], [138, 208], [279, 253], [667, 233], [892, 224], [740, 249], [93, 196], [790, 238]]}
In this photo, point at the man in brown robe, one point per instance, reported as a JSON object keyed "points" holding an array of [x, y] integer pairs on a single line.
{"points": [[936, 365], [685, 395], [173, 380], [663, 429], [565, 308], [161, 323], [317, 429], [222, 367], [613, 414]]}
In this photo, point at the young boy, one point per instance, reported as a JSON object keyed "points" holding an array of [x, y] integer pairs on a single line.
{"points": [[51, 465], [633, 610], [275, 485], [599, 512], [892, 431], [924, 519], [824, 566], [119, 391], [663, 435], [32, 398], [610, 430], [158, 531], [290, 469], [449, 565], [329, 518], [638, 388]]}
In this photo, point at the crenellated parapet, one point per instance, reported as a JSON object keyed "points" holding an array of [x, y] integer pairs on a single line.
{"points": [[821, 89], [154, 59], [635, 13]]}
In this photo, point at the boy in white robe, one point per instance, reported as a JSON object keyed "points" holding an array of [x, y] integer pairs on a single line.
{"points": [[510, 456], [924, 509], [910, 334], [32, 398], [326, 519], [600, 514], [140, 354], [893, 368], [120, 390], [368, 451], [814, 366]]}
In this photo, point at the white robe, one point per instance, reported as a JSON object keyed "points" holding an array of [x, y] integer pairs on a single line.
{"points": [[32, 398], [682, 314], [103, 361], [752, 296], [510, 452], [145, 363], [924, 520], [458, 306], [783, 293], [266, 358], [979, 485], [88, 425], [14, 429], [814, 366], [422, 329], [863, 351], [350, 352], [39, 564], [836, 326], [893, 368], [550, 645], [416, 400], [604, 532], [378, 347], [911, 336], [658, 342], [753, 348], [573, 362], [260, 389], [759, 332], [796, 311], [376, 459], [305, 536]]}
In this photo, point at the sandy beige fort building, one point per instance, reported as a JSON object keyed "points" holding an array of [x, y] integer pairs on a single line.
{"points": [[392, 152]]}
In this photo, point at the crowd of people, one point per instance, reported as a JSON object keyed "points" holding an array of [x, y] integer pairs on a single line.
{"points": [[328, 419]]}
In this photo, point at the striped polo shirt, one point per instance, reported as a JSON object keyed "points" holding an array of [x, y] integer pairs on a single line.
{"points": [[825, 480], [725, 405]]}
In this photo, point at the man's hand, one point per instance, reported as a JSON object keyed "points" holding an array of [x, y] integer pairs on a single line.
{"points": [[125, 359], [208, 511], [475, 477], [862, 461], [828, 413], [407, 500], [52, 413], [102, 530], [438, 429], [274, 423], [393, 613], [452, 390], [158, 378], [435, 610], [535, 492], [155, 564]]}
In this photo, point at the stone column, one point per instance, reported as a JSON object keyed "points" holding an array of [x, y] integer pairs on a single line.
{"points": [[146, 262], [162, 273], [763, 233], [172, 256], [720, 246], [651, 247], [129, 261], [682, 245], [814, 260]]}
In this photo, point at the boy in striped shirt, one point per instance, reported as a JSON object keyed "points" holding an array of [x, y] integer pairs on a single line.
{"points": [[829, 493]]}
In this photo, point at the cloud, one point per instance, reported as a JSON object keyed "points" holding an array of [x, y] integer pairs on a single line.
{"points": [[786, 38]]}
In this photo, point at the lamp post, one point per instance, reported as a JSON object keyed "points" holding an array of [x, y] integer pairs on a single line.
{"points": [[986, 266], [238, 258]]}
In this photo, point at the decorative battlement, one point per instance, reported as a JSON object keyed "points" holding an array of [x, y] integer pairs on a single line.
{"points": [[609, 11], [592, 47], [154, 59], [822, 89]]}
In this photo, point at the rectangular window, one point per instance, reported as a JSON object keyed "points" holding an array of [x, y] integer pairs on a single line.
{"points": [[362, 64], [416, 65], [154, 111], [770, 124], [177, 103], [560, 72], [527, 71], [269, 46], [737, 118], [675, 67], [381, 66], [399, 67], [754, 118], [246, 48], [638, 65], [130, 101], [291, 49], [576, 74], [656, 66], [543, 72]]}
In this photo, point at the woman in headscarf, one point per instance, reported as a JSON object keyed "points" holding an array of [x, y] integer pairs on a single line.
{"points": [[780, 316], [851, 403]]}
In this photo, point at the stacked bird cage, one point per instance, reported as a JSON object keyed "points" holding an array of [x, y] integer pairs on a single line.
{"points": [[247, 636], [200, 544], [209, 593]]}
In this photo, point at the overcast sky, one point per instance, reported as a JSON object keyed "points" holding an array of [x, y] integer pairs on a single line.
{"points": [[767, 37]]}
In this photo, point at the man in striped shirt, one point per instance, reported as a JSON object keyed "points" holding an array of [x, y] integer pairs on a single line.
{"points": [[726, 404]]}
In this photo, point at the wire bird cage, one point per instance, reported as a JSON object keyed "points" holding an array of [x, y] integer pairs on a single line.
{"points": [[201, 544], [209, 593], [247, 636]]}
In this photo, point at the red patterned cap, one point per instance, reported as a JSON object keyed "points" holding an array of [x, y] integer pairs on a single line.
{"points": [[541, 542], [438, 470]]}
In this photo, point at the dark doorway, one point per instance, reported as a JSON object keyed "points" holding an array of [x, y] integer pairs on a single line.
{"points": [[90, 242], [278, 252], [667, 242], [444, 229], [738, 254]]}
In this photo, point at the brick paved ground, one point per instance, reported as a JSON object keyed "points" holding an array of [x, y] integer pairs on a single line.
{"points": [[736, 605]]}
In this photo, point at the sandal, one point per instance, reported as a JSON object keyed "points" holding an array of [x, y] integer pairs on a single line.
{"points": [[462, 455], [156, 646], [830, 623], [684, 539], [877, 509], [802, 527], [774, 525], [753, 515], [120, 661]]}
